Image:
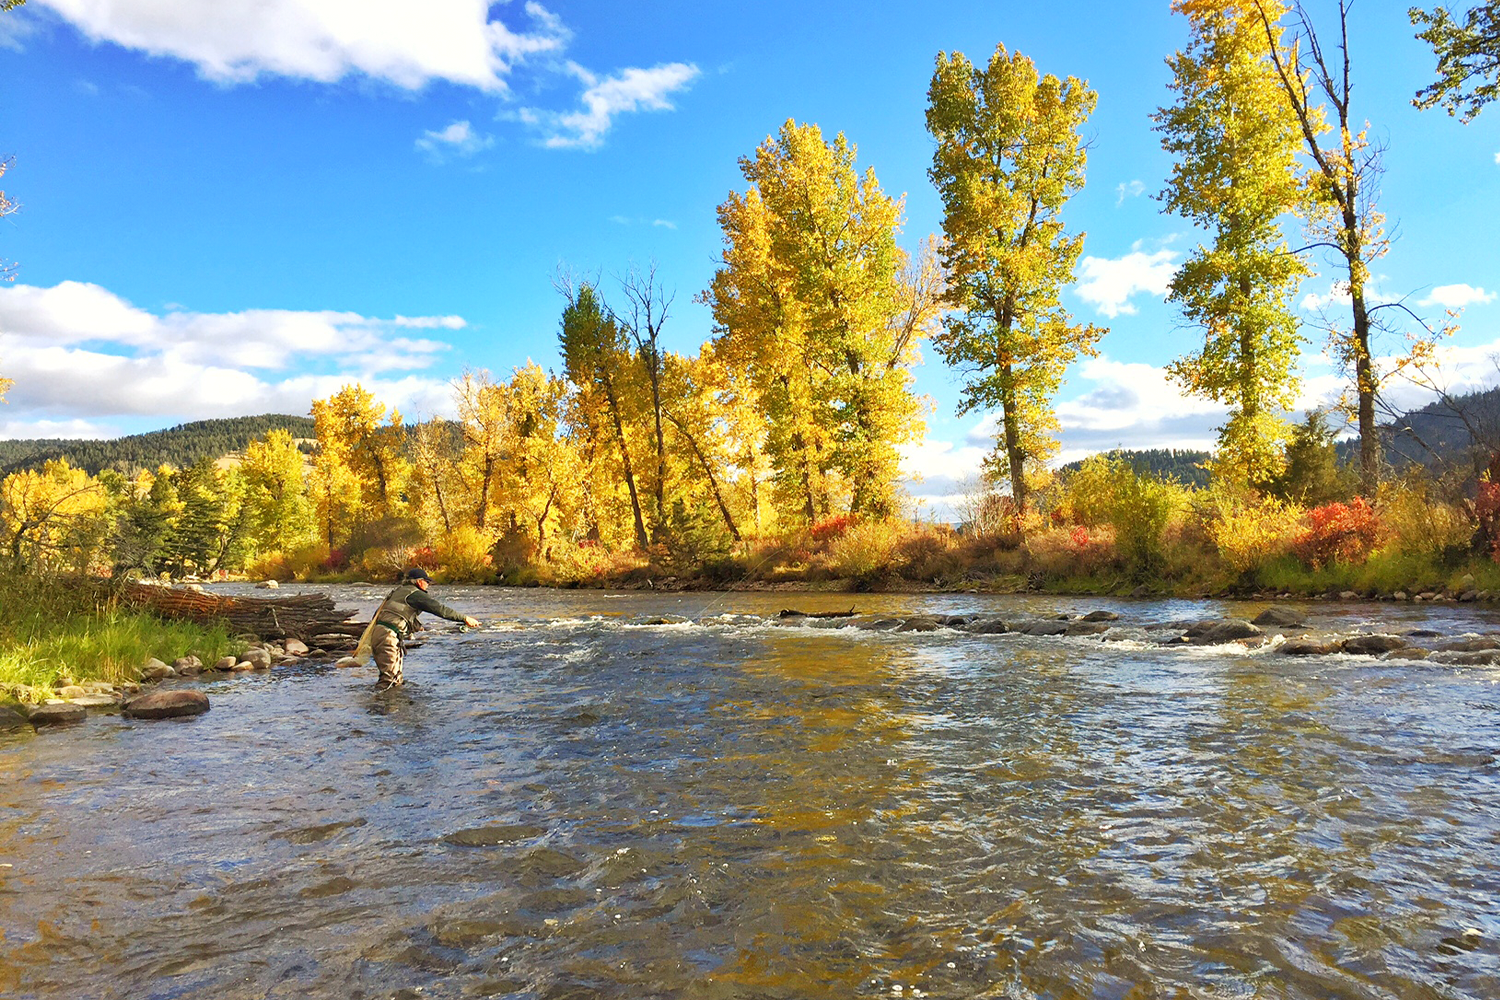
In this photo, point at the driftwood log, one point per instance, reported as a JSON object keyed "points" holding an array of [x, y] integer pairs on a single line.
{"points": [[793, 613], [311, 618]]}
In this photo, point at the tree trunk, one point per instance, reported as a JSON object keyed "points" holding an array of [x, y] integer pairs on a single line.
{"points": [[635, 501]]}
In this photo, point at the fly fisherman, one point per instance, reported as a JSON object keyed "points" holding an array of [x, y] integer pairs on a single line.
{"points": [[396, 620]]}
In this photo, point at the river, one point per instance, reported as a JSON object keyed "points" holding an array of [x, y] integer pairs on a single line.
{"points": [[572, 803]]}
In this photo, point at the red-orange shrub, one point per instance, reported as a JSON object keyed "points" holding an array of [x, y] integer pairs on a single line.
{"points": [[1338, 532], [1487, 510]]}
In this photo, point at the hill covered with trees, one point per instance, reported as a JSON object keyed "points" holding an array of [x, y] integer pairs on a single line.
{"points": [[180, 446]]}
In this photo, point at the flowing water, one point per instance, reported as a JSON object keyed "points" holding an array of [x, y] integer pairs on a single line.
{"points": [[571, 803]]}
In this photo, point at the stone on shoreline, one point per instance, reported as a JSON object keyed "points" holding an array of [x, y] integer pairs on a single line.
{"points": [[259, 656], [155, 670], [296, 647], [225, 663], [55, 713], [168, 704], [10, 719]]}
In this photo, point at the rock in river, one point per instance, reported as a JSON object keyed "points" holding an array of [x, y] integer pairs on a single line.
{"points": [[1215, 631], [10, 719], [494, 836], [1279, 616], [1373, 645], [166, 704]]}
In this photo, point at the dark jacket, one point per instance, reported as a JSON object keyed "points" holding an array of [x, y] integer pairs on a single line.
{"points": [[400, 609]]}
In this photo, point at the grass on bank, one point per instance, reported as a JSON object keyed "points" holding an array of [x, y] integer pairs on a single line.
{"points": [[53, 631]]}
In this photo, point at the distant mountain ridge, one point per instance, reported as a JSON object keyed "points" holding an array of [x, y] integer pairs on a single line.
{"points": [[180, 446]]}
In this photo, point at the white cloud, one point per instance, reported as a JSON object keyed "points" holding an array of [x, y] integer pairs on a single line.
{"points": [[458, 139], [238, 41], [1108, 284], [632, 89], [1497, 159], [664, 223], [453, 41], [11, 430], [1133, 189], [77, 352], [1457, 296]]}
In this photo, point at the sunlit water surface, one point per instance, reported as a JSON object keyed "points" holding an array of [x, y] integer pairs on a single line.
{"points": [[569, 804]]}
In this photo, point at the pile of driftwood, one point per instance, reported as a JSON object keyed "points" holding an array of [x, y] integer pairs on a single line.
{"points": [[311, 618]]}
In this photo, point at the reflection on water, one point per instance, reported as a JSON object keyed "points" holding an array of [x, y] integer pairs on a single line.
{"points": [[568, 805]]}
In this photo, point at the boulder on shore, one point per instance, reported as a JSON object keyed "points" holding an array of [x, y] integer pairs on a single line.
{"points": [[296, 647], [258, 656], [155, 670], [166, 704]]}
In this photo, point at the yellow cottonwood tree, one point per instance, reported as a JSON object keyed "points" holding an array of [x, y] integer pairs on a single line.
{"points": [[353, 426], [1008, 158], [1236, 142], [815, 303], [275, 492]]}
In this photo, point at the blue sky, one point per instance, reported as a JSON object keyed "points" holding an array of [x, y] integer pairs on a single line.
{"points": [[235, 206]]}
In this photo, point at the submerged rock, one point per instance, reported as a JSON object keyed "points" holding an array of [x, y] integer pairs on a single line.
{"points": [[166, 704], [1046, 628], [1101, 616], [919, 623], [493, 836], [1087, 627], [989, 626], [1477, 658], [1474, 644]]}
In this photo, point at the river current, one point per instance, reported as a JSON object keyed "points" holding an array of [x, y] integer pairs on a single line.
{"points": [[573, 803]]}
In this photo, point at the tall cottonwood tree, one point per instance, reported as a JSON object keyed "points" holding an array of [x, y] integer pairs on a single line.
{"points": [[1343, 179], [1468, 58], [1009, 156], [1235, 143], [812, 303]]}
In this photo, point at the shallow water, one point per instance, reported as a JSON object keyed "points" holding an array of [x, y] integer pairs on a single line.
{"points": [[570, 804]]}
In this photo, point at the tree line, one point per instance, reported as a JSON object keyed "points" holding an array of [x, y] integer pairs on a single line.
{"points": [[792, 416]]}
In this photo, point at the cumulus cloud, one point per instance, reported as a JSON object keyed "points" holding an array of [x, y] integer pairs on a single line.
{"points": [[1457, 296], [451, 41], [1109, 283], [238, 41], [458, 139], [79, 353], [629, 90]]}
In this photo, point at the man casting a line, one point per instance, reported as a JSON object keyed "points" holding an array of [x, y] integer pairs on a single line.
{"points": [[396, 620]]}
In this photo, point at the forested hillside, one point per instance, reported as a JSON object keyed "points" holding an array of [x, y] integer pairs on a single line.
{"points": [[1183, 465], [179, 446]]}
